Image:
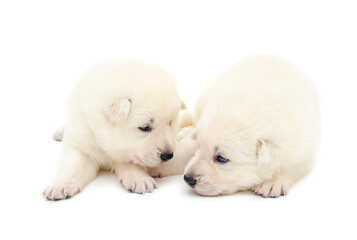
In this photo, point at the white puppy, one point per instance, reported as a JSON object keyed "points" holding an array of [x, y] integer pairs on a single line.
{"points": [[122, 117], [257, 129]]}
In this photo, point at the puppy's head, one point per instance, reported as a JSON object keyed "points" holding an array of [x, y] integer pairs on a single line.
{"points": [[231, 157], [144, 125]]}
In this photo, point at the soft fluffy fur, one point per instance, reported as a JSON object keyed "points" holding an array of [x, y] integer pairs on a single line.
{"points": [[262, 114], [105, 110], [185, 149]]}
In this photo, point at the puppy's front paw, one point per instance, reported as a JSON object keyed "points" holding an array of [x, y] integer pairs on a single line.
{"points": [[138, 183], [59, 191], [272, 189]]}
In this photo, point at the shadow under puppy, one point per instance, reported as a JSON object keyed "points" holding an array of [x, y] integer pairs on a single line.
{"points": [[257, 127], [122, 117]]}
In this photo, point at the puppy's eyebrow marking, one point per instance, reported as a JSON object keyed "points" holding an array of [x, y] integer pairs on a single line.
{"points": [[216, 148], [151, 121]]}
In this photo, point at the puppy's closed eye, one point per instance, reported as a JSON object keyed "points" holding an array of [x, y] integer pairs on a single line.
{"points": [[221, 159], [145, 128]]}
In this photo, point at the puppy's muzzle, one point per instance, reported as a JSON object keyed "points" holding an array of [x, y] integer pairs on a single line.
{"points": [[166, 156], [190, 180]]}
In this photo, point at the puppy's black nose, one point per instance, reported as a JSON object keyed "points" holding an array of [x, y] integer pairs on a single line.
{"points": [[190, 180], [166, 156]]}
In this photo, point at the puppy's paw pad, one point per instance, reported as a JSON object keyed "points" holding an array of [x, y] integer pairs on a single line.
{"points": [[139, 184], [272, 189], [61, 191]]}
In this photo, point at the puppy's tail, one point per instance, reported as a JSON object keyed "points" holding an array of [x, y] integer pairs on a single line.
{"points": [[185, 119], [58, 134]]}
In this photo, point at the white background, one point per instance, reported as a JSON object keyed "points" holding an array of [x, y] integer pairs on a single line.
{"points": [[46, 46]]}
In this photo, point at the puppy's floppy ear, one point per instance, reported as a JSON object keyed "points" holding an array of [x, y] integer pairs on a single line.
{"points": [[267, 153], [183, 105], [118, 109]]}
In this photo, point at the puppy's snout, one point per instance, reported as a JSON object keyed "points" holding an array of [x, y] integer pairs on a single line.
{"points": [[166, 156], [190, 180]]}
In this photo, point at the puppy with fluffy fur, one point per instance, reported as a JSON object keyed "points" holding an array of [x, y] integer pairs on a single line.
{"points": [[257, 127], [122, 117]]}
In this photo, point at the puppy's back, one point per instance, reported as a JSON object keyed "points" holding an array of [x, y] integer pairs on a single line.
{"points": [[263, 80]]}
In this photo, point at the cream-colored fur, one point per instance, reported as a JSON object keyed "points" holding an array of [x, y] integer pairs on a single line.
{"points": [[105, 111], [185, 148], [262, 114]]}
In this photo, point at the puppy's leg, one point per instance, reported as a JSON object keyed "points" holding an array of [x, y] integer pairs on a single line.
{"points": [[276, 187], [135, 178], [74, 172], [185, 149]]}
